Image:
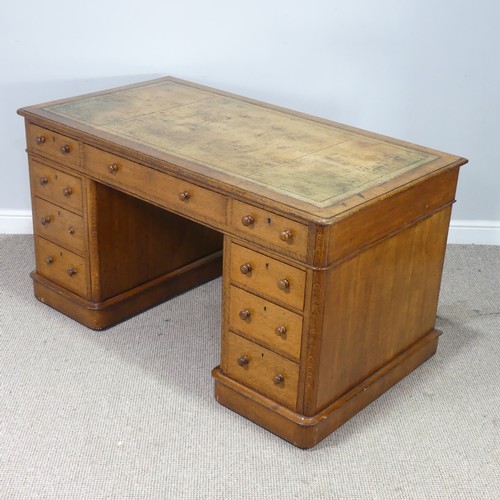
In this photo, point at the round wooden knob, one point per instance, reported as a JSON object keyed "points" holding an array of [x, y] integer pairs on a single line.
{"points": [[49, 260], [40, 140], [247, 220], [45, 220], [44, 181], [286, 235], [243, 360], [65, 149], [113, 168], [184, 196], [244, 314], [280, 330], [283, 284], [71, 230], [278, 379], [67, 192], [246, 268], [72, 272]]}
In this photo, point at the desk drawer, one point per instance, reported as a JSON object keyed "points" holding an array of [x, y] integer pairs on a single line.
{"points": [[261, 369], [268, 276], [172, 193], [61, 266], [56, 186], [279, 328], [55, 146], [270, 228], [58, 225]]}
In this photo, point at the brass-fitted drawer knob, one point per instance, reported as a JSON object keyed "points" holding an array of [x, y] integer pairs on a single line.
{"points": [[71, 230], [72, 272], [283, 284], [65, 149], [113, 168], [244, 314], [49, 260], [286, 235], [246, 268], [44, 181], [243, 360], [247, 220], [184, 196], [279, 379], [280, 330], [40, 140], [45, 220], [67, 192]]}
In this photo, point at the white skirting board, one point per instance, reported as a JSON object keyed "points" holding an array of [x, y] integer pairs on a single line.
{"points": [[16, 222], [478, 232]]}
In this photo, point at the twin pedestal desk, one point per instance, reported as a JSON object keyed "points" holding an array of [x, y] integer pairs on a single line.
{"points": [[330, 239]]}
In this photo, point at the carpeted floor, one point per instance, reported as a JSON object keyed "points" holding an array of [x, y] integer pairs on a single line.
{"points": [[129, 413]]}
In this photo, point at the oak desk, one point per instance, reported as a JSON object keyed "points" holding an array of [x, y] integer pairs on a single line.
{"points": [[330, 239]]}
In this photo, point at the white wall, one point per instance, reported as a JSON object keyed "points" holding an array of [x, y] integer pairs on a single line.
{"points": [[425, 71]]}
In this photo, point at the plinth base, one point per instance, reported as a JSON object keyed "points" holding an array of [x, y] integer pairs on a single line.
{"points": [[99, 315], [303, 431]]}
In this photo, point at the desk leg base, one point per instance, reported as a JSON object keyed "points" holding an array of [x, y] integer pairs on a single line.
{"points": [[100, 315], [303, 431]]}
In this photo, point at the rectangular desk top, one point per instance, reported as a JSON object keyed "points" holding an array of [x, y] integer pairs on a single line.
{"points": [[319, 167]]}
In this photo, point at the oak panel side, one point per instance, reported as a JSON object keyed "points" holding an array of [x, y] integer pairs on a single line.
{"points": [[226, 300], [379, 303], [311, 340]]}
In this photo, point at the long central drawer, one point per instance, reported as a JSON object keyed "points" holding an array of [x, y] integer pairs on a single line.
{"points": [[168, 191]]}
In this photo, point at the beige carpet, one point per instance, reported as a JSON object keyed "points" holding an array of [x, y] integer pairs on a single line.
{"points": [[128, 413]]}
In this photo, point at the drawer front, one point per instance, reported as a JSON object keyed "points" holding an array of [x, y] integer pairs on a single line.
{"points": [[276, 326], [61, 266], [261, 369], [168, 191], [268, 276], [58, 225], [55, 146], [270, 228], [56, 186]]}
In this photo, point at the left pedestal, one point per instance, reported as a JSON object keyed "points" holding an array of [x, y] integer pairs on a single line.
{"points": [[103, 255]]}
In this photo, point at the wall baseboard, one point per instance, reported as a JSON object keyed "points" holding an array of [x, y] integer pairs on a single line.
{"points": [[16, 222], [478, 232]]}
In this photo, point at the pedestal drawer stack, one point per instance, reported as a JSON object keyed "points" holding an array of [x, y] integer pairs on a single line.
{"points": [[262, 345], [58, 210]]}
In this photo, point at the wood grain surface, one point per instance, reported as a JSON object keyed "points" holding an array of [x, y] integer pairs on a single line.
{"points": [[376, 305], [264, 317], [59, 225]]}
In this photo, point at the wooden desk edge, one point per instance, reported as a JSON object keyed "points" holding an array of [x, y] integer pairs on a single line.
{"points": [[198, 173]]}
